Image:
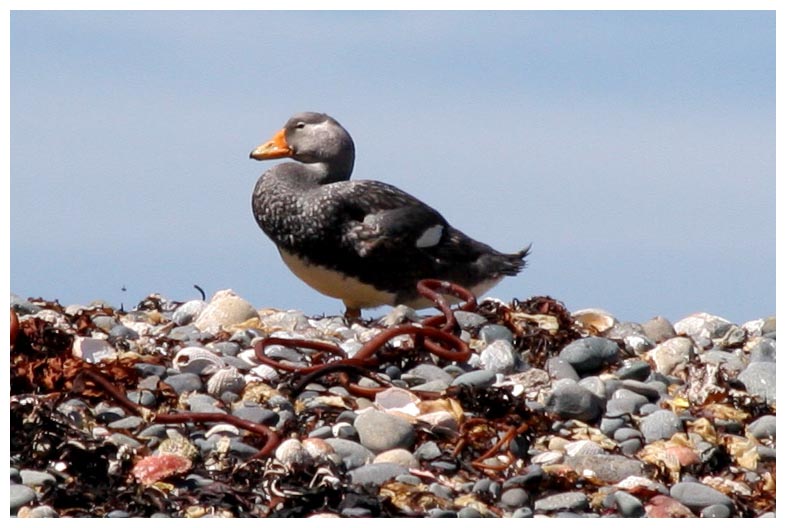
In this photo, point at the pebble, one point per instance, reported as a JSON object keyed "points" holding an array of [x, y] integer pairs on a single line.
{"points": [[42, 512], [716, 511], [476, 378], [499, 357], [34, 478], [703, 328], [763, 428], [698, 496], [661, 424], [628, 505], [589, 354], [494, 332], [763, 351], [379, 431], [559, 368], [568, 399], [759, 380], [93, 350], [514, 498], [672, 355], [376, 474], [401, 457], [188, 312], [20, 495], [129, 422], [570, 500], [634, 369], [353, 455], [469, 320], [185, 382], [658, 329], [608, 468]]}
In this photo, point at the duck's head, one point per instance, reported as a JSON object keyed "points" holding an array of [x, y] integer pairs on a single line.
{"points": [[310, 137]]}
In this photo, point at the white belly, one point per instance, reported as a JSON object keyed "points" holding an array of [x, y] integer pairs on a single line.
{"points": [[354, 293]]}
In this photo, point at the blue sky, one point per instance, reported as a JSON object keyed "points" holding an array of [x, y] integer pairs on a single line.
{"points": [[635, 150]]}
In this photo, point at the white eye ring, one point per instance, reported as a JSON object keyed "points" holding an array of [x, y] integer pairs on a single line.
{"points": [[301, 124]]}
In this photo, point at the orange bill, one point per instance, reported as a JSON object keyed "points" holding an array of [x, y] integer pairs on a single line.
{"points": [[277, 147]]}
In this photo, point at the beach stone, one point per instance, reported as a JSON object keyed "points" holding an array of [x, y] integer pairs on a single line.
{"points": [[589, 354], [42, 512], [499, 357], [20, 495], [628, 505], [763, 351], [568, 399], [608, 468], [352, 454], [663, 506], [650, 390], [399, 456], [255, 413], [672, 355], [763, 428], [476, 378], [624, 401], [570, 500], [35, 478], [225, 309], [428, 450], [608, 425], [426, 372], [469, 320], [703, 328], [596, 385], [698, 496], [514, 498], [716, 511], [660, 425], [559, 368], [634, 369], [376, 474], [129, 422], [188, 312], [468, 512], [759, 380], [494, 332], [658, 329], [184, 382], [379, 431], [120, 331]]}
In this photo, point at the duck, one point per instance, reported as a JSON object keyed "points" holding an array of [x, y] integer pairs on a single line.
{"points": [[365, 242]]}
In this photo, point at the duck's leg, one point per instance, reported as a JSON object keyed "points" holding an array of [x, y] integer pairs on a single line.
{"points": [[352, 314]]}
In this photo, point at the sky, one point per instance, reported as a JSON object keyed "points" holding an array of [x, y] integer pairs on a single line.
{"points": [[634, 150]]}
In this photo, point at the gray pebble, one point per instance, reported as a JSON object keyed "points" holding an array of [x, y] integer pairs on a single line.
{"points": [[570, 500], [698, 496], [630, 446], [622, 407], [559, 368], [42, 512], [493, 332], [658, 329], [121, 439], [241, 448], [20, 495], [608, 468], [150, 369], [763, 427], [634, 369], [651, 390], [468, 320], [476, 378], [123, 332], [444, 465], [379, 431], [626, 399], [440, 490], [672, 355], [523, 513], [129, 422], [716, 511], [226, 349], [763, 351], [514, 498], [376, 474], [105, 413], [356, 512], [568, 399], [104, 322], [118, 514], [187, 312], [628, 505], [15, 476], [23, 306], [468, 512], [759, 380], [153, 431], [143, 397], [187, 333], [255, 413], [499, 357], [597, 386], [426, 372], [185, 382], [410, 480], [609, 425], [428, 451], [626, 433], [439, 513], [352, 454], [589, 354], [660, 425], [36, 478]]}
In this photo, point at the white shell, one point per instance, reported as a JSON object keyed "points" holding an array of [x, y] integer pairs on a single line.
{"points": [[197, 360], [225, 379], [292, 453]]}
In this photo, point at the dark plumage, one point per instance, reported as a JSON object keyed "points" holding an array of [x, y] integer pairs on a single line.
{"points": [[364, 242]]}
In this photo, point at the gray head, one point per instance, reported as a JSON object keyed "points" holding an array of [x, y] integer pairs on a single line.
{"points": [[312, 138]]}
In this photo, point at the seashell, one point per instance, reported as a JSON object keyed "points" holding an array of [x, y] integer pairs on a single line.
{"points": [[583, 447], [225, 379], [292, 453], [223, 428], [197, 360], [226, 309], [176, 444], [262, 373], [594, 320], [396, 399], [92, 350], [317, 448]]}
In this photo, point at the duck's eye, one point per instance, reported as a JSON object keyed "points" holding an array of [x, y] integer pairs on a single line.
{"points": [[301, 124]]}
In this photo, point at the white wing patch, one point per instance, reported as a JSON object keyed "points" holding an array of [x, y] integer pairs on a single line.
{"points": [[430, 237]]}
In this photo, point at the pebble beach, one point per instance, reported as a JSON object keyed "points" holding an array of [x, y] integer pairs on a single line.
{"points": [[217, 408]]}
